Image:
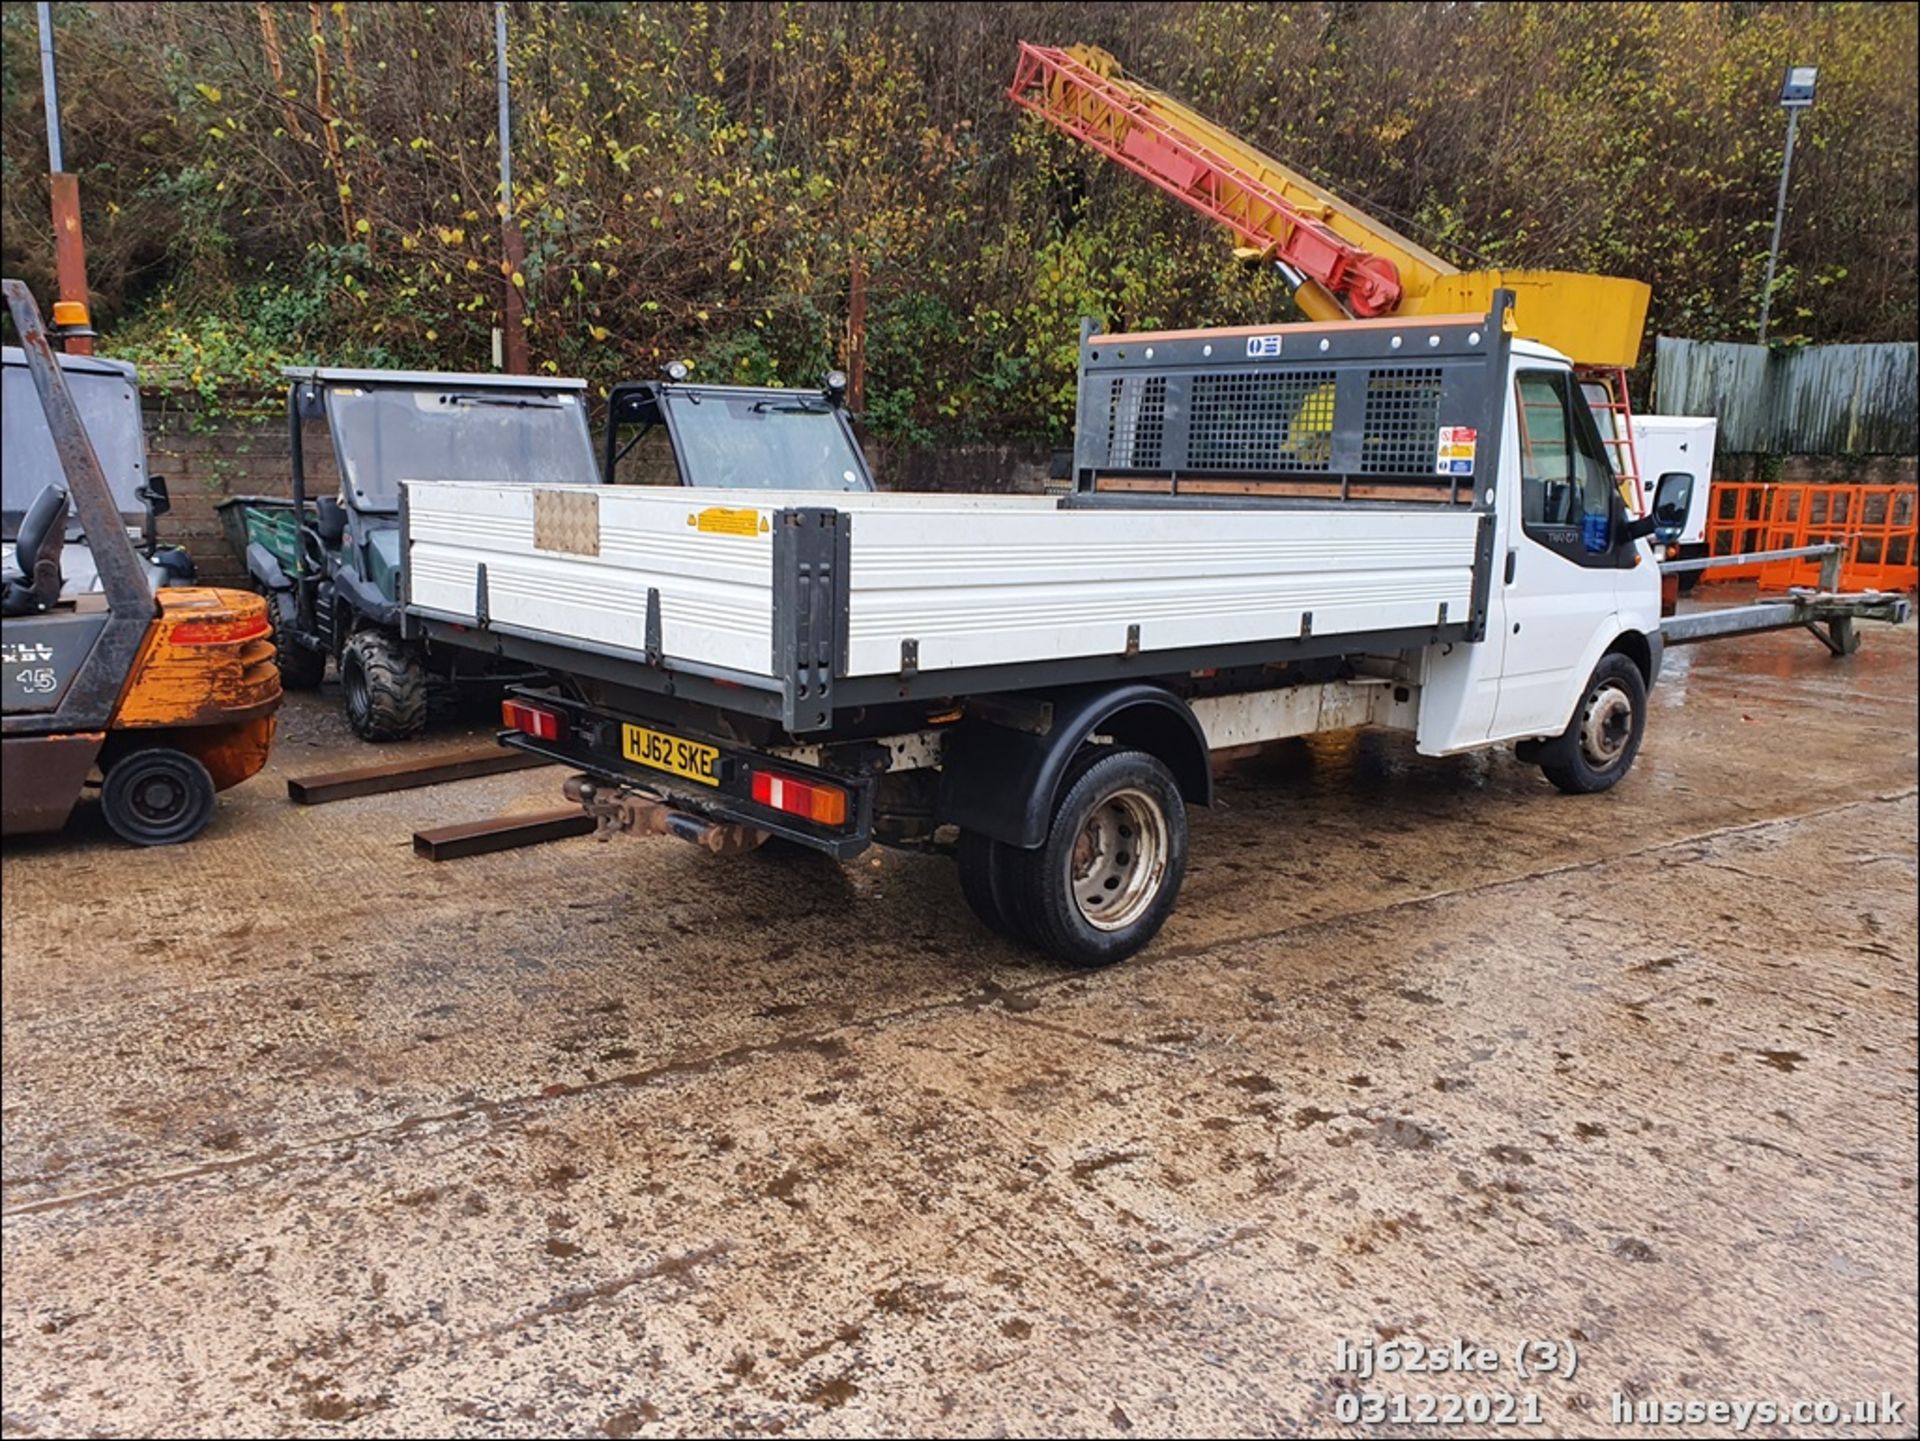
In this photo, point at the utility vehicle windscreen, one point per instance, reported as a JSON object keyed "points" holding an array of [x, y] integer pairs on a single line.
{"points": [[386, 434], [109, 407], [744, 442]]}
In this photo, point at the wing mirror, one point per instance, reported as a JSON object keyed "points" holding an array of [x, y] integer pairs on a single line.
{"points": [[330, 519], [1672, 499], [153, 495]]}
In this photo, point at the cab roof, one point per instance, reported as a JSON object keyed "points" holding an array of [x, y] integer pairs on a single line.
{"points": [[483, 380], [85, 364]]}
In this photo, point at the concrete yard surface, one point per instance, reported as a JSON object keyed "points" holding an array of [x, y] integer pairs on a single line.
{"points": [[308, 1136]]}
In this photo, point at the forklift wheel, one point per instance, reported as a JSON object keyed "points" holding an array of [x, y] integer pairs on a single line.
{"points": [[157, 796]]}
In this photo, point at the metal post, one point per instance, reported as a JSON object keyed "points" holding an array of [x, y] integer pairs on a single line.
{"points": [[50, 88], [1779, 218], [857, 336], [71, 320], [513, 252]]}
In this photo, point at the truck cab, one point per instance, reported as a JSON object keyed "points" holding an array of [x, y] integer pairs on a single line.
{"points": [[1575, 576]]}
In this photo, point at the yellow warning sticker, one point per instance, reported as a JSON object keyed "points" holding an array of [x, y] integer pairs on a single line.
{"points": [[717, 520]]}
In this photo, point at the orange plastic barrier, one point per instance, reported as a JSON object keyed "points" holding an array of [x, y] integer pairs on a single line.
{"points": [[1877, 523]]}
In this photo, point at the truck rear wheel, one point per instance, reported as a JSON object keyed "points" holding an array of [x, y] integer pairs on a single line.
{"points": [[1599, 744], [386, 687], [1107, 876], [986, 883], [157, 796]]}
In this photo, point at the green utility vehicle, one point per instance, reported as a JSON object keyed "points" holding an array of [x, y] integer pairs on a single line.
{"points": [[330, 563]]}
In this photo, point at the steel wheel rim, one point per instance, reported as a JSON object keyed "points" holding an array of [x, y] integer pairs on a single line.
{"points": [[1119, 860], [1606, 725], [158, 799]]}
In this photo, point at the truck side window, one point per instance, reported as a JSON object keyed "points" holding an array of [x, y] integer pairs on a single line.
{"points": [[1564, 479]]}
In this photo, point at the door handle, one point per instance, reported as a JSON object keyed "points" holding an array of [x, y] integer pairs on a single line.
{"points": [[1513, 557]]}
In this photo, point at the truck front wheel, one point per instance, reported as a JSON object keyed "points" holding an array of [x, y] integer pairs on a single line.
{"points": [[386, 687], [1600, 742], [1106, 878]]}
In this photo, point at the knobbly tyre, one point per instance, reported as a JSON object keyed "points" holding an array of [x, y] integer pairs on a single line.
{"points": [[1275, 531]]}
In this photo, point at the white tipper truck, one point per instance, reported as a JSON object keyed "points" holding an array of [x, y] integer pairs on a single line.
{"points": [[1406, 523]]}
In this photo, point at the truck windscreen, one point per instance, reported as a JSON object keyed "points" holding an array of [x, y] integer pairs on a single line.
{"points": [[756, 443], [386, 434]]}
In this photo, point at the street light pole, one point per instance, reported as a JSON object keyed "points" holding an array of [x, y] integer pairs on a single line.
{"points": [[72, 322], [513, 253], [1796, 94]]}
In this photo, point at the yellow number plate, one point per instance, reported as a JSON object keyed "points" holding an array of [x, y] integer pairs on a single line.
{"points": [[671, 754]]}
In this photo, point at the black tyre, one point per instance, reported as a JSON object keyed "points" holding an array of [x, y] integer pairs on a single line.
{"points": [[386, 687], [1600, 742], [300, 667], [157, 796], [985, 880], [1687, 580], [1106, 878]]}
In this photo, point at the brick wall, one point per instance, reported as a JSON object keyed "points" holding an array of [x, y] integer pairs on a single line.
{"points": [[206, 458], [1821, 469]]}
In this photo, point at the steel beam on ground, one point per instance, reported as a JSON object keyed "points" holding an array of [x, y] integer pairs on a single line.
{"points": [[501, 833], [328, 786]]}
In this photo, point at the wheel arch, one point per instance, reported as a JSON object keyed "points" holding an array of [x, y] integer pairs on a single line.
{"points": [[1642, 650], [1002, 782]]}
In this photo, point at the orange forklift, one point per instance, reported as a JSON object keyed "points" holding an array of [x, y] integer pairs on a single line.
{"points": [[161, 698]]}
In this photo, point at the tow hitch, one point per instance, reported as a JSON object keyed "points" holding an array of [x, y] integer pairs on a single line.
{"points": [[614, 809]]}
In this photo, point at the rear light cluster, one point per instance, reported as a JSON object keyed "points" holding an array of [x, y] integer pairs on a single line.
{"points": [[534, 720], [220, 632], [810, 800]]}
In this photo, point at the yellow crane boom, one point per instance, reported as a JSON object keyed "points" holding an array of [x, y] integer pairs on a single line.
{"points": [[1342, 261]]}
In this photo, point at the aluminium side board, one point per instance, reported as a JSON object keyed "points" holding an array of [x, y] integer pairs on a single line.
{"points": [[773, 604]]}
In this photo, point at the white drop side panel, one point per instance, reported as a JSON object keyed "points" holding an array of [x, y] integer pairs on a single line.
{"points": [[973, 580], [994, 588], [715, 588]]}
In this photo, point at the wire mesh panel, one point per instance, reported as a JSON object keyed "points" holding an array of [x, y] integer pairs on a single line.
{"points": [[1137, 421], [1261, 421], [1401, 427]]}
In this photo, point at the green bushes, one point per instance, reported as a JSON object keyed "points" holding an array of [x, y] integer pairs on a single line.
{"points": [[279, 182]]}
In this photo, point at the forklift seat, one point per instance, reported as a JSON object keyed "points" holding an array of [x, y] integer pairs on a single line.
{"points": [[33, 580]]}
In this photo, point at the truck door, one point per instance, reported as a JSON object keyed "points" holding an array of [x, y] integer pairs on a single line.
{"points": [[1560, 566]]}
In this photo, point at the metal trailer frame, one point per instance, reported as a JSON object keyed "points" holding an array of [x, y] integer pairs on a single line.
{"points": [[1827, 612]]}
